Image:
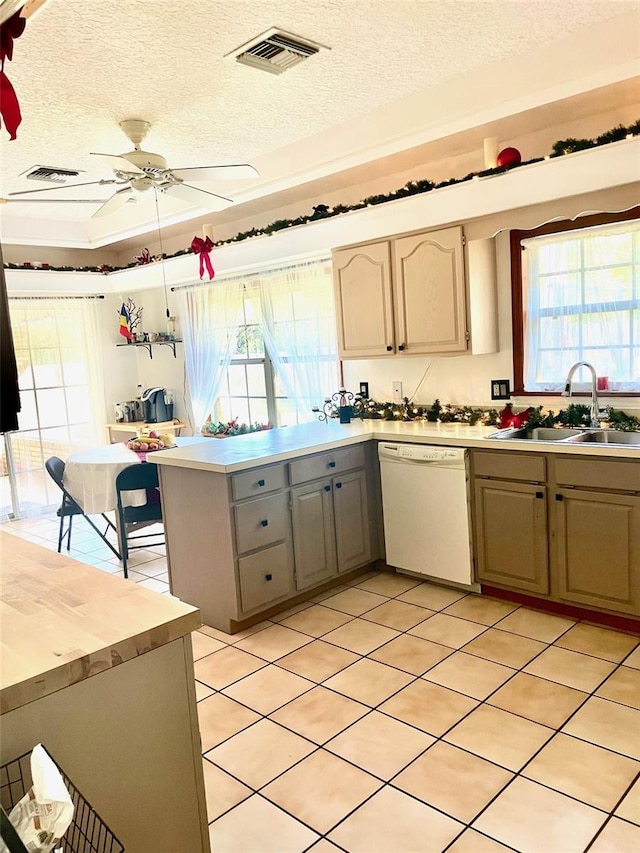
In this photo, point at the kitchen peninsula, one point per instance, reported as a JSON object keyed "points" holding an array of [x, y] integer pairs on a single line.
{"points": [[258, 522]]}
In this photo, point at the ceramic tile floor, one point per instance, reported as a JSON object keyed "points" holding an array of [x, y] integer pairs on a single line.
{"points": [[393, 716]]}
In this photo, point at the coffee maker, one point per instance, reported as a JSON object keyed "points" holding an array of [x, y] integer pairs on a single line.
{"points": [[156, 409]]}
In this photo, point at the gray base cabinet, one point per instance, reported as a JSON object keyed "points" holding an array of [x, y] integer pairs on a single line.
{"points": [[313, 533]]}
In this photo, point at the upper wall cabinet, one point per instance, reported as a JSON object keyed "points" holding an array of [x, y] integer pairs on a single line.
{"points": [[405, 295]]}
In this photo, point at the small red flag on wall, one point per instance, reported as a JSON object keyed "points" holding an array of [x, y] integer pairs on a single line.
{"points": [[125, 323]]}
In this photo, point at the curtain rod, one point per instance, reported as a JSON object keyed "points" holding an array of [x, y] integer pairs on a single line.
{"points": [[256, 273], [31, 298]]}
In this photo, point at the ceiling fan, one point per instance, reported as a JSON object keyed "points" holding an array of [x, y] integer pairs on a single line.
{"points": [[138, 171]]}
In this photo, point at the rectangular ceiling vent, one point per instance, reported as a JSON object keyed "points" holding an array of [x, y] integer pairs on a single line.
{"points": [[50, 174], [275, 51]]}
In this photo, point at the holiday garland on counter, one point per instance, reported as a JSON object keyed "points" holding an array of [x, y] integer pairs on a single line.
{"points": [[322, 211]]}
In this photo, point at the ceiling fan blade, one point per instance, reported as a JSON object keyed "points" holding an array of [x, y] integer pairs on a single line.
{"points": [[216, 173], [117, 200], [67, 187], [51, 200], [196, 196], [120, 163]]}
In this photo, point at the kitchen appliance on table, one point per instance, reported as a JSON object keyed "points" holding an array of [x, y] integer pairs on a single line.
{"points": [[426, 511], [158, 405]]}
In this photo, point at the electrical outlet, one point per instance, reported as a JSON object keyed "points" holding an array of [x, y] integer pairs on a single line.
{"points": [[500, 389], [397, 392], [364, 390]]}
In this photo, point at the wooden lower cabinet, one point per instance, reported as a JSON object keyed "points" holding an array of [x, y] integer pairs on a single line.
{"points": [[598, 548], [314, 542], [511, 534]]}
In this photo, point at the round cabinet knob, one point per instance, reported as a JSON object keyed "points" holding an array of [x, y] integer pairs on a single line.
{"points": [[332, 464], [327, 488], [338, 485], [261, 482], [401, 347], [389, 349], [264, 522], [268, 577]]}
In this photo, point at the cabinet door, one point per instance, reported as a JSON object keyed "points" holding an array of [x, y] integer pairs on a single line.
{"points": [[351, 511], [313, 533], [428, 275], [364, 312], [511, 534], [598, 549]]}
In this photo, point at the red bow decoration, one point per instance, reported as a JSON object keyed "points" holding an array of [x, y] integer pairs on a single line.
{"points": [[509, 419], [11, 29], [203, 247]]}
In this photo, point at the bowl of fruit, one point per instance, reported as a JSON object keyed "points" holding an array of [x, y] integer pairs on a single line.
{"points": [[150, 441]]}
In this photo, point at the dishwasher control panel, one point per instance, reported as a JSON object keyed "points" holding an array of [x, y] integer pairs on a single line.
{"points": [[420, 452]]}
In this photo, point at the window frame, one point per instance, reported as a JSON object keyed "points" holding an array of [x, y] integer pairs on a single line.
{"points": [[517, 290]]}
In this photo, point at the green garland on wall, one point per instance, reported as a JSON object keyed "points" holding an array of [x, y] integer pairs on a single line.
{"points": [[321, 211]]}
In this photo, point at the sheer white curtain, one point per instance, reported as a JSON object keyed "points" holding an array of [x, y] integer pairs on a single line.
{"points": [[299, 330], [582, 303], [210, 318]]}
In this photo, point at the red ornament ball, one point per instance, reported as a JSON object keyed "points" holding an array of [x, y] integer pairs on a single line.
{"points": [[509, 157]]}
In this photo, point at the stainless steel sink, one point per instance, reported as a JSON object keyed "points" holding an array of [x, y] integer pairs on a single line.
{"points": [[607, 436], [538, 434]]}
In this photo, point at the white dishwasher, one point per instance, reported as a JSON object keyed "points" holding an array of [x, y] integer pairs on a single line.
{"points": [[426, 510]]}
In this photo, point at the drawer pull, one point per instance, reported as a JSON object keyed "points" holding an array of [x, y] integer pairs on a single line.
{"points": [[539, 495], [264, 522], [327, 488], [268, 577], [559, 497], [338, 485], [332, 464], [261, 482]]}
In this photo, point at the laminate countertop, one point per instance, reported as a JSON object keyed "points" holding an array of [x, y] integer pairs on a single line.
{"points": [[62, 621], [241, 452]]}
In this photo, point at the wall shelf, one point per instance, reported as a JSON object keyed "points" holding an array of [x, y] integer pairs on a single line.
{"points": [[149, 344]]}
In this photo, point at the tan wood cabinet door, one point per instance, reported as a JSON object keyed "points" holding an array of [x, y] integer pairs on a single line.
{"points": [[598, 549], [313, 533], [351, 511], [428, 275], [511, 534], [364, 310]]}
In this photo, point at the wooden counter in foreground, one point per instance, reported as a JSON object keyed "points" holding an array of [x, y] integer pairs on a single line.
{"points": [[100, 671]]}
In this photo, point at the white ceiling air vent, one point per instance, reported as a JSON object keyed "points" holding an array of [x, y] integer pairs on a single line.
{"points": [[275, 51], [50, 174]]}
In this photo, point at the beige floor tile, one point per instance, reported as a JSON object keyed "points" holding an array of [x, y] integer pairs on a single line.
{"points": [[474, 842], [318, 660], [379, 744], [397, 614], [452, 780], [329, 593], [216, 634], [432, 596], [629, 808], [411, 654], [203, 645], [202, 691], [222, 668], [221, 718], [316, 620], [291, 611], [498, 736], [249, 632], [502, 647], [429, 707], [536, 625], [533, 819], [258, 754], [607, 724], [368, 681], [360, 636], [570, 668], [592, 775], [481, 608], [470, 675], [634, 659], [618, 836], [320, 714], [599, 642], [222, 791], [321, 790], [622, 686], [257, 825], [324, 846], [447, 630], [273, 643], [354, 601], [537, 699], [268, 689], [388, 583], [395, 823]]}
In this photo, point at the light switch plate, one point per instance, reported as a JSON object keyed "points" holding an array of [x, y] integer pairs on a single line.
{"points": [[364, 390], [397, 392], [500, 389]]}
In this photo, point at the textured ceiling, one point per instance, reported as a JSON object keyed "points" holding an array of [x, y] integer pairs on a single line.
{"points": [[82, 66]]}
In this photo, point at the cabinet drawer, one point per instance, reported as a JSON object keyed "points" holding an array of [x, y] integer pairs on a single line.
{"points": [[261, 522], [334, 462], [510, 466], [259, 481], [265, 576], [613, 474]]}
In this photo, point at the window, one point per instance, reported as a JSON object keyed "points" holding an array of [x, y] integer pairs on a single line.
{"points": [[576, 297]]}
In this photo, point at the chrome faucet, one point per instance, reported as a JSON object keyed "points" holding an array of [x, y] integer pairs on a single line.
{"points": [[596, 413]]}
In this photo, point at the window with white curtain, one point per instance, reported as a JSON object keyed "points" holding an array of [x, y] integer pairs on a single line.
{"points": [[262, 347], [581, 302]]}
